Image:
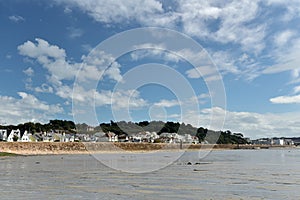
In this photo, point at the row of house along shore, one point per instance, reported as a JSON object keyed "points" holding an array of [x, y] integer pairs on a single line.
{"points": [[60, 136], [24, 136]]}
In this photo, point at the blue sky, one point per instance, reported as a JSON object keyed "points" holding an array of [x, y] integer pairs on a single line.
{"points": [[249, 47]]}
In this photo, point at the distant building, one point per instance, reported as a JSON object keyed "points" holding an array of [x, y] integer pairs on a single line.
{"points": [[3, 135], [112, 137], [26, 137], [90, 128], [277, 141], [15, 135]]}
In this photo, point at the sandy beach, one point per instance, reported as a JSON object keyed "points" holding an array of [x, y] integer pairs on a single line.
{"points": [[52, 148]]}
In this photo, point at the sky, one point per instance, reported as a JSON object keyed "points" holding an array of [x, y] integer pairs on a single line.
{"points": [[224, 65]]}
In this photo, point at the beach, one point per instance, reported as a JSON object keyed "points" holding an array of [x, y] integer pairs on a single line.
{"points": [[226, 174], [52, 148]]}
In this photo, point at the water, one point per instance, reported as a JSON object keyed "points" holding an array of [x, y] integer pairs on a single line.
{"points": [[230, 174]]}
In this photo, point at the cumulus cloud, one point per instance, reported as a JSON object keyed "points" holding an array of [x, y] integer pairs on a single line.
{"points": [[118, 101], [41, 50], [195, 16], [286, 99], [242, 24], [26, 108], [53, 58], [98, 64], [210, 68], [94, 67], [251, 124]]}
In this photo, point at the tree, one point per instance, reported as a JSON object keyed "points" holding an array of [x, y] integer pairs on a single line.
{"points": [[201, 134]]}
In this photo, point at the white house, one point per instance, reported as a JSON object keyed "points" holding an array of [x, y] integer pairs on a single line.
{"points": [[14, 134], [277, 141], [26, 137], [3, 134], [112, 137]]}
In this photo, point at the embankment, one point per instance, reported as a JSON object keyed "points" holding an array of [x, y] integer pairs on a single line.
{"points": [[39, 148]]}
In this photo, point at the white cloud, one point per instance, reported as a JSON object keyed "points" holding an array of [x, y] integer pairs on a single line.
{"points": [[117, 11], [297, 89], [75, 32], [224, 62], [67, 10], [151, 50], [286, 99], [16, 18], [287, 59], [292, 8], [44, 88], [113, 72], [284, 37], [245, 25], [53, 58], [234, 17], [29, 71], [195, 100], [251, 124], [196, 18], [258, 125], [26, 108], [167, 103], [208, 73], [117, 99], [42, 50], [98, 64]]}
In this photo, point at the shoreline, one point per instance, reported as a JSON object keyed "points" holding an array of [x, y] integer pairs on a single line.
{"points": [[67, 148]]}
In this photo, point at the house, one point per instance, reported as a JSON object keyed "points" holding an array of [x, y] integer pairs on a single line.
{"points": [[3, 135], [277, 141], [90, 129], [15, 135], [26, 137], [100, 137], [262, 141], [136, 138], [112, 137], [289, 142]]}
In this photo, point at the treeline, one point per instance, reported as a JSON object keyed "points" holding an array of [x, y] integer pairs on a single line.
{"points": [[204, 135], [123, 128], [53, 125]]}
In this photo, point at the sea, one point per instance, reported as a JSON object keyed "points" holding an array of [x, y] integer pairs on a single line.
{"points": [[219, 174]]}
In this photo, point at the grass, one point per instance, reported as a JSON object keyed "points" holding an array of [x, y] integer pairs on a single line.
{"points": [[7, 154]]}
